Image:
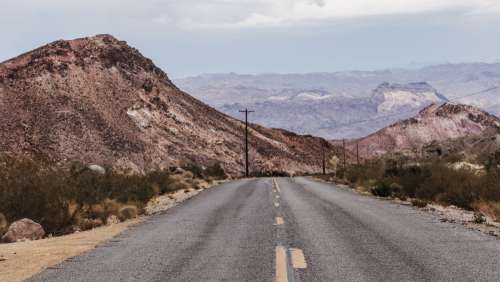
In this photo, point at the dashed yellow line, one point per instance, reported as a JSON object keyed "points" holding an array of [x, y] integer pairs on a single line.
{"points": [[279, 220], [276, 185], [281, 269], [298, 258]]}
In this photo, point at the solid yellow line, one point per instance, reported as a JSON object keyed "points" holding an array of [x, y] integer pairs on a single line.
{"points": [[279, 220], [281, 271], [298, 258]]}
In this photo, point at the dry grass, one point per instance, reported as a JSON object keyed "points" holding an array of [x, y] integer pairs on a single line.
{"points": [[3, 225], [434, 181], [491, 209], [63, 201]]}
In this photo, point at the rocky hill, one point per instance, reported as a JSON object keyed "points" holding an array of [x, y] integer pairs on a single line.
{"points": [[437, 123], [319, 113], [97, 100], [348, 92]]}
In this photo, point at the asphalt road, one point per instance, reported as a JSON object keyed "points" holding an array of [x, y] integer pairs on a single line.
{"points": [[297, 230]]}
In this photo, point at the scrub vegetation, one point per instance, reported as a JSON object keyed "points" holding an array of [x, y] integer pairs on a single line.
{"points": [[79, 198], [431, 181]]}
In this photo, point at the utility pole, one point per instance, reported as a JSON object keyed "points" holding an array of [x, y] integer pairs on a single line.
{"points": [[343, 146], [357, 153], [324, 157], [246, 111]]}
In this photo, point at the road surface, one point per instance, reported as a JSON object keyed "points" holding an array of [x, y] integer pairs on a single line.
{"points": [[288, 229]]}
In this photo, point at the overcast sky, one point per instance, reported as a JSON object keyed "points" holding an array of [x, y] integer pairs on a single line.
{"points": [[190, 37]]}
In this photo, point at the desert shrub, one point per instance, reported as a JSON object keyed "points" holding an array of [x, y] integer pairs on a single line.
{"points": [[340, 173], [215, 171], [59, 199], [479, 218], [4, 224], [489, 208], [396, 189], [355, 174], [450, 186], [382, 188], [27, 190], [195, 169], [419, 203], [161, 179], [128, 212], [178, 182], [411, 178], [89, 223]]}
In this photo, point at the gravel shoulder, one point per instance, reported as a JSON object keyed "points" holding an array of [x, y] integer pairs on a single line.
{"points": [[451, 214]]}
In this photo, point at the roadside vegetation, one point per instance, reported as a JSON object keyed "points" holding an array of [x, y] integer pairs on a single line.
{"points": [[79, 198], [429, 181]]}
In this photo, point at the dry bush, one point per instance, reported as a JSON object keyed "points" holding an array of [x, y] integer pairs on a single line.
{"points": [[59, 199], [432, 181], [491, 209], [87, 223], [4, 224], [111, 207], [419, 203], [215, 171], [479, 218], [178, 182], [128, 212]]}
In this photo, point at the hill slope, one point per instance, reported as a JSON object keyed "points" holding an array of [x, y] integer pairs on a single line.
{"points": [[435, 123], [316, 112], [97, 100]]}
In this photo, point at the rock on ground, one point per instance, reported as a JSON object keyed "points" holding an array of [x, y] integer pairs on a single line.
{"points": [[23, 229]]}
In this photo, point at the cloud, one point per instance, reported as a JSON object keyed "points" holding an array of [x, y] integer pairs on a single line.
{"points": [[228, 14]]}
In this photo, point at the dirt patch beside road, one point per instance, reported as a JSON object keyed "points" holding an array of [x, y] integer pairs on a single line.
{"points": [[21, 260]]}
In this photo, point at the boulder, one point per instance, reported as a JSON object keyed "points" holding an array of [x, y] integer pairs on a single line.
{"points": [[24, 229], [97, 168], [112, 219]]}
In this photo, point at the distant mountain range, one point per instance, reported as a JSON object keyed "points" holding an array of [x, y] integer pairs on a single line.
{"points": [[347, 104]]}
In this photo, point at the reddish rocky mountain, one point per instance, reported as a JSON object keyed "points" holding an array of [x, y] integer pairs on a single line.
{"points": [[435, 123], [97, 100]]}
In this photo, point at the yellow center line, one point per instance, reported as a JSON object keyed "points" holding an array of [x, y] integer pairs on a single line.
{"points": [[277, 186], [281, 270], [298, 258], [279, 220]]}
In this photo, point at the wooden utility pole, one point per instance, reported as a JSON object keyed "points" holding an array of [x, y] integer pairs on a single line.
{"points": [[324, 157], [246, 111], [343, 146], [357, 153]]}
